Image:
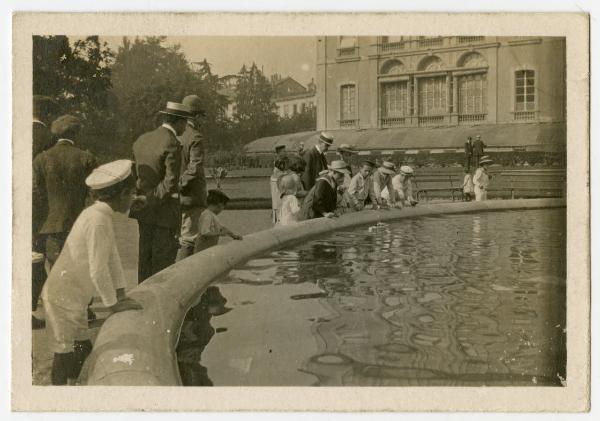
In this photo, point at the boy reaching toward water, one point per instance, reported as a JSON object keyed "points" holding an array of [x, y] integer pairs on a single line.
{"points": [[88, 265], [210, 227]]}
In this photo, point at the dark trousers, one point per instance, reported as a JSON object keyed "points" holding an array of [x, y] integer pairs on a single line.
{"points": [[157, 249], [475, 160], [54, 245], [468, 159], [68, 365]]}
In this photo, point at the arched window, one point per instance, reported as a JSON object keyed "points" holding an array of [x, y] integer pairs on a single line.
{"points": [[472, 59], [392, 67], [431, 63]]}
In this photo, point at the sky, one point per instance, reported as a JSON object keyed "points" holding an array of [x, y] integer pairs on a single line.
{"points": [[288, 56]]}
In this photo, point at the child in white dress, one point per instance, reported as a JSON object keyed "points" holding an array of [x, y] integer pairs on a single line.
{"points": [[290, 205]]}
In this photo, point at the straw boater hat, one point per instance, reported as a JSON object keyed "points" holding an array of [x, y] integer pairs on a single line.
{"points": [[109, 174], [177, 109], [279, 146], [194, 103], [388, 167], [344, 147], [405, 169], [485, 160], [339, 166], [326, 138]]}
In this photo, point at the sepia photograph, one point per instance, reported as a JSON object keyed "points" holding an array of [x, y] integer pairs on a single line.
{"points": [[347, 212]]}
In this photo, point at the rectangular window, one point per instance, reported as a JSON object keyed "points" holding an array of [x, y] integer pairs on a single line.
{"points": [[524, 90], [295, 109], [432, 96], [348, 102], [472, 94], [286, 110], [394, 97]]}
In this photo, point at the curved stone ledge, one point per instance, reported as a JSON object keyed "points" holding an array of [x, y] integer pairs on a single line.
{"points": [[138, 347]]}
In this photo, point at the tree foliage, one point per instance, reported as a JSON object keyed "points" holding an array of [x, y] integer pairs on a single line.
{"points": [[255, 115], [78, 77]]}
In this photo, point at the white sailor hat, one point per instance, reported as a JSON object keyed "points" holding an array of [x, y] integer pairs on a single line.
{"points": [[109, 174]]}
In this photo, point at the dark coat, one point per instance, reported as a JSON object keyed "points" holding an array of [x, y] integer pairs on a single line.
{"points": [[468, 148], [59, 189], [315, 163], [325, 199], [192, 181], [478, 146], [42, 138], [158, 164]]}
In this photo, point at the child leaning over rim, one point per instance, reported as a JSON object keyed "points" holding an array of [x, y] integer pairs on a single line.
{"points": [[89, 265], [210, 228]]}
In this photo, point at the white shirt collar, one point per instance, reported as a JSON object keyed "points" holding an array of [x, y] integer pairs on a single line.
{"points": [[65, 141], [103, 207], [319, 149], [170, 128], [35, 120]]}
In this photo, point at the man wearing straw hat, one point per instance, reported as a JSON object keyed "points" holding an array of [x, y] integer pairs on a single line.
{"points": [[481, 179], [315, 160], [360, 186], [325, 195], [382, 179], [158, 163], [192, 182]]}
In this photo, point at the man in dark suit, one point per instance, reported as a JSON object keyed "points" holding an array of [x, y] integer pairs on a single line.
{"points": [[59, 189], [158, 163], [315, 160], [478, 150], [43, 110], [192, 181], [325, 199], [468, 153]]}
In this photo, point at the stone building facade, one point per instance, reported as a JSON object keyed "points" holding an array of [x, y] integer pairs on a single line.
{"points": [[407, 82]]}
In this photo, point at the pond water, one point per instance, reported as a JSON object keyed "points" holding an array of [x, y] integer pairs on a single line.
{"points": [[466, 300]]}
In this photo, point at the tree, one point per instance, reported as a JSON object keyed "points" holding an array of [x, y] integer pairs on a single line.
{"points": [[78, 78], [300, 122], [255, 115]]}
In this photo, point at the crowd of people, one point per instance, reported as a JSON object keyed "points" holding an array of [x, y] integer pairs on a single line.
{"points": [[164, 188], [306, 185]]}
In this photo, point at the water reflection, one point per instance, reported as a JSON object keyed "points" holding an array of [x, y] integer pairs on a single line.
{"points": [[196, 333], [451, 300]]}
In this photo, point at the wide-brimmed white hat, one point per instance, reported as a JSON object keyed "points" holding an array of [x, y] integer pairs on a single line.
{"points": [[109, 174], [485, 160], [339, 166], [388, 167], [405, 169]]}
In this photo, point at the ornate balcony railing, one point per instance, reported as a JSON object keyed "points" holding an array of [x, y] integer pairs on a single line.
{"points": [[347, 51], [525, 115], [470, 118], [430, 42], [468, 40], [345, 123], [431, 120], [393, 121]]}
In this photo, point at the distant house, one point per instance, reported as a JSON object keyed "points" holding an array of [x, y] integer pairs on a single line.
{"points": [[291, 97]]}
